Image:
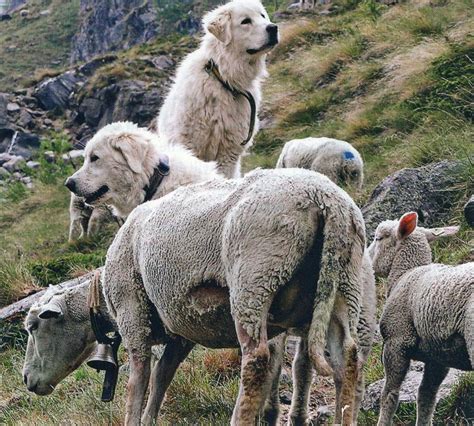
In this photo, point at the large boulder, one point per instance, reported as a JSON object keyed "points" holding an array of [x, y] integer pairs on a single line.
{"points": [[20, 144], [55, 93], [409, 388], [430, 191]]}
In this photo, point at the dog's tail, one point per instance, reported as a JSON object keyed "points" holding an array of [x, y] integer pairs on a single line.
{"points": [[339, 273]]}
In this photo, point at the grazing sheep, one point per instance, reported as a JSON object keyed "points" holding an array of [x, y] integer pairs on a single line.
{"points": [[336, 159], [86, 220], [428, 316], [213, 103], [121, 163], [234, 263]]}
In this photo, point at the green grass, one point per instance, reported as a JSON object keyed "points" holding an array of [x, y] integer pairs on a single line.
{"points": [[36, 42]]}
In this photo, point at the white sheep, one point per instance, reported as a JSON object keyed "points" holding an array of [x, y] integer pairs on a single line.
{"points": [[232, 263], [428, 316], [336, 159]]}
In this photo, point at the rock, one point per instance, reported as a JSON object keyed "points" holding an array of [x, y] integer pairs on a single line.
{"points": [[162, 62], [13, 107], [17, 176], [4, 157], [429, 190], [74, 155], [48, 122], [409, 389], [26, 120], [5, 17], [4, 173], [55, 92], [323, 414], [92, 111], [46, 12], [32, 165], [107, 26], [24, 144], [24, 13], [14, 164], [49, 156], [469, 212], [92, 66]]}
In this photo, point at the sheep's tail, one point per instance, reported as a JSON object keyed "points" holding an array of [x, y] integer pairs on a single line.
{"points": [[339, 274]]}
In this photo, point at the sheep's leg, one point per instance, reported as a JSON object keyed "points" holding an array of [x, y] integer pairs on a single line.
{"points": [[359, 396], [136, 387], [302, 379], [396, 365], [98, 217], [433, 376], [75, 229], [254, 373], [163, 372], [271, 409]]}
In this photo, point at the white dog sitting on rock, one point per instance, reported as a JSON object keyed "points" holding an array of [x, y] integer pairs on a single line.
{"points": [[212, 106]]}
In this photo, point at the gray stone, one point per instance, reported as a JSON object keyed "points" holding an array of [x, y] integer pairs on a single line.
{"points": [[409, 389], [14, 164], [4, 173], [430, 191], [162, 62], [32, 164], [4, 157], [49, 156], [13, 107], [46, 12], [75, 154], [55, 92], [26, 119]]}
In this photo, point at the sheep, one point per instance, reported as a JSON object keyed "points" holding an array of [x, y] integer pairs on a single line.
{"points": [[225, 264], [365, 331], [86, 220], [428, 316], [336, 159], [121, 161]]}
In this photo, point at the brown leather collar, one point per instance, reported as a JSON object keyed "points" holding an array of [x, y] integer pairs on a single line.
{"points": [[212, 68]]}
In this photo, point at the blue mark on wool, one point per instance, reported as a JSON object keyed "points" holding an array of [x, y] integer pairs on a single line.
{"points": [[348, 155]]}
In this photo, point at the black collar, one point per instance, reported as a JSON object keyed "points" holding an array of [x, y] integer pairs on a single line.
{"points": [[160, 171], [212, 68]]}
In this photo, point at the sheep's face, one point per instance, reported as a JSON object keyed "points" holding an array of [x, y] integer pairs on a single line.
{"points": [[384, 248], [59, 340], [243, 26]]}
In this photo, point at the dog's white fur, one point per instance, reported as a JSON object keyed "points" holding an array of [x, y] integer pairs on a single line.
{"points": [[125, 158], [199, 112]]}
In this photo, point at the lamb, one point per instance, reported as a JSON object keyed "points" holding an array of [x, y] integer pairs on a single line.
{"points": [[85, 220], [225, 264], [428, 316], [212, 106], [336, 159], [126, 165]]}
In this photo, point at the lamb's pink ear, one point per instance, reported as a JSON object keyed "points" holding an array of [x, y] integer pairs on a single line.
{"points": [[218, 23], [132, 148], [433, 234], [407, 224]]}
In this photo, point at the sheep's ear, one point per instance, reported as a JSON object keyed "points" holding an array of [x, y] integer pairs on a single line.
{"points": [[50, 310], [407, 224], [218, 23], [433, 234], [132, 148]]}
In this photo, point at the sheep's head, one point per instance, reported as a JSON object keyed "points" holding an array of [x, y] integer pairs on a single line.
{"points": [[60, 338], [404, 242]]}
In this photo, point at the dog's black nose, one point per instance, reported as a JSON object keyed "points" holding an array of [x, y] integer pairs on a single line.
{"points": [[272, 29], [70, 184]]}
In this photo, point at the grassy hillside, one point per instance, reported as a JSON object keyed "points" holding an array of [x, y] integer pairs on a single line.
{"points": [[396, 82]]}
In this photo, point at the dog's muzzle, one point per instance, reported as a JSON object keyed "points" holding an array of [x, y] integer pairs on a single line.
{"points": [[272, 31]]}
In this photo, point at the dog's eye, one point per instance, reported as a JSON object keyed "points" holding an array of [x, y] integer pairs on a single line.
{"points": [[263, 16], [246, 21], [94, 158]]}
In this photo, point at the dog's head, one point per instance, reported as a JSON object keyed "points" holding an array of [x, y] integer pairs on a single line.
{"points": [[245, 25], [114, 163]]}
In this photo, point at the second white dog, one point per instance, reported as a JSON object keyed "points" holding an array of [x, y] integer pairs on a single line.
{"points": [[212, 106]]}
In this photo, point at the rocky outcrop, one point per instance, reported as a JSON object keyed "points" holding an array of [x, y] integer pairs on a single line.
{"points": [[110, 25], [55, 92], [430, 191], [409, 389]]}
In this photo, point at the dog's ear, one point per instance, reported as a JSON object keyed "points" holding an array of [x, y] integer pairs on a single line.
{"points": [[133, 149], [218, 23]]}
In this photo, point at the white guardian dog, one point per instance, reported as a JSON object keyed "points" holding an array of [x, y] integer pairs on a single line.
{"points": [[213, 103]]}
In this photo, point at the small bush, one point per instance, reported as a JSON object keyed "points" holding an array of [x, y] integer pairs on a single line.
{"points": [[50, 172]]}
